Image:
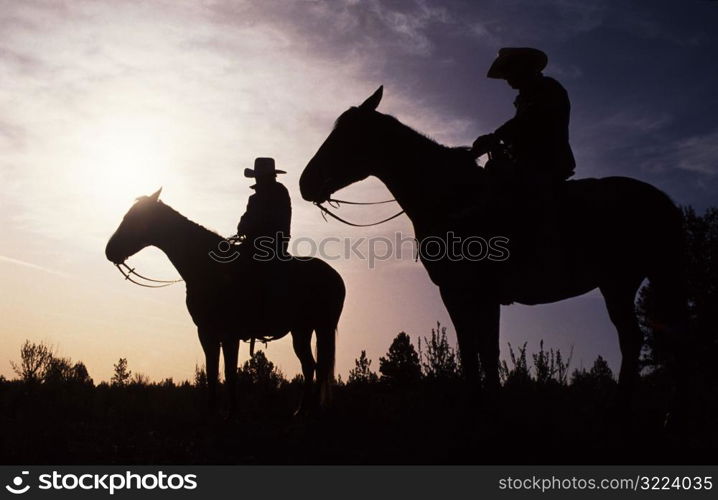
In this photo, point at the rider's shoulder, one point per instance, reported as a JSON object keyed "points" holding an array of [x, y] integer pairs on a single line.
{"points": [[280, 192], [550, 84], [279, 187]]}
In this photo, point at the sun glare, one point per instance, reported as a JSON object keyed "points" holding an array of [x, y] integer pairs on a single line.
{"points": [[125, 156]]}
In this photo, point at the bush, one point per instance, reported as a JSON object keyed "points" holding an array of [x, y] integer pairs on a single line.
{"points": [[440, 361], [599, 377], [518, 374], [39, 364], [550, 367], [260, 372], [200, 376], [35, 360]]}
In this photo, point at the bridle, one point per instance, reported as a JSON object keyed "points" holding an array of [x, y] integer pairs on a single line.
{"points": [[128, 272], [334, 203]]}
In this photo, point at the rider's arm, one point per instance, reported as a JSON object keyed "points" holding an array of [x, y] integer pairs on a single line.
{"points": [[526, 114], [534, 114], [282, 209], [248, 221]]}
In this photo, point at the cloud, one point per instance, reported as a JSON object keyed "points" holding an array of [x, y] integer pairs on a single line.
{"points": [[697, 154], [410, 25], [209, 87], [519, 22], [565, 72], [15, 60], [580, 16], [340, 29], [653, 24], [30, 265], [14, 136], [637, 122], [485, 31]]}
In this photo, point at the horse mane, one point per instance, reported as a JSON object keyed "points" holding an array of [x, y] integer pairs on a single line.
{"points": [[415, 139], [178, 218], [459, 170], [455, 178], [412, 133], [386, 118]]}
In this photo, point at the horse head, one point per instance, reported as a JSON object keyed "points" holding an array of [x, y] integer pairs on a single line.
{"points": [[346, 155], [134, 232]]}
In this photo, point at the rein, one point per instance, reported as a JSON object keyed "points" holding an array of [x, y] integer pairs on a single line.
{"points": [[128, 272], [334, 203]]}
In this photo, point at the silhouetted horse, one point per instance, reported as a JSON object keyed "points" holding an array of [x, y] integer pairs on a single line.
{"points": [[228, 305], [615, 232]]}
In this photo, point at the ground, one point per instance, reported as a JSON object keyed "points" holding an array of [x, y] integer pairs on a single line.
{"points": [[427, 423]]}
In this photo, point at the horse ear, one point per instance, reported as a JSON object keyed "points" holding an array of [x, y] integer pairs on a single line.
{"points": [[156, 195], [373, 101]]}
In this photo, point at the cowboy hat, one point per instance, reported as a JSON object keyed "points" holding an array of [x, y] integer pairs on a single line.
{"points": [[517, 59], [262, 167]]}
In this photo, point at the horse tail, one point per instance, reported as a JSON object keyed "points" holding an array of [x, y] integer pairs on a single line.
{"points": [[669, 318], [326, 340], [668, 301]]}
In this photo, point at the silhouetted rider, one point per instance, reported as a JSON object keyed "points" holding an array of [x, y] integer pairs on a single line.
{"points": [[536, 140], [266, 222], [537, 136]]}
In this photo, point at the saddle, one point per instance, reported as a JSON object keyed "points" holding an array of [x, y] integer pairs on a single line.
{"points": [[264, 290], [525, 209]]}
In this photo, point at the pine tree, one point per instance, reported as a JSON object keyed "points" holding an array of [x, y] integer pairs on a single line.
{"points": [[361, 373], [122, 375], [401, 365]]}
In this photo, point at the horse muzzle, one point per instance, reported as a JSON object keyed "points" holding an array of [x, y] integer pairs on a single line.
{"points": [[113, 253]]}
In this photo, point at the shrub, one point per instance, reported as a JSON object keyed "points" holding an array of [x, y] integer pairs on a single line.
{"points": [[361, 373], [261, 372], [35, 359], [440, 361]]}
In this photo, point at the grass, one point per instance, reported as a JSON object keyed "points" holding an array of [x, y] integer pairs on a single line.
{"points": [[424, 423]]}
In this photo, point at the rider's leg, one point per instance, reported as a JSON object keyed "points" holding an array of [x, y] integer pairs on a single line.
{"points": [[544, 248]]}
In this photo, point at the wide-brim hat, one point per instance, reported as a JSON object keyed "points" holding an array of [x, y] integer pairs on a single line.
{"points": [[513, 60], [263, 167]]}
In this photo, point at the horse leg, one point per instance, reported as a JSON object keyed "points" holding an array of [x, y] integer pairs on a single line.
{"points": [[326, 351], [302, 343], [210, 346], [477, 330], [230, 348], [622, 312]]}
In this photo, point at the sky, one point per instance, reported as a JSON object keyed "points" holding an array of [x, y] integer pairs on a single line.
{"points": [[101, 102]]}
